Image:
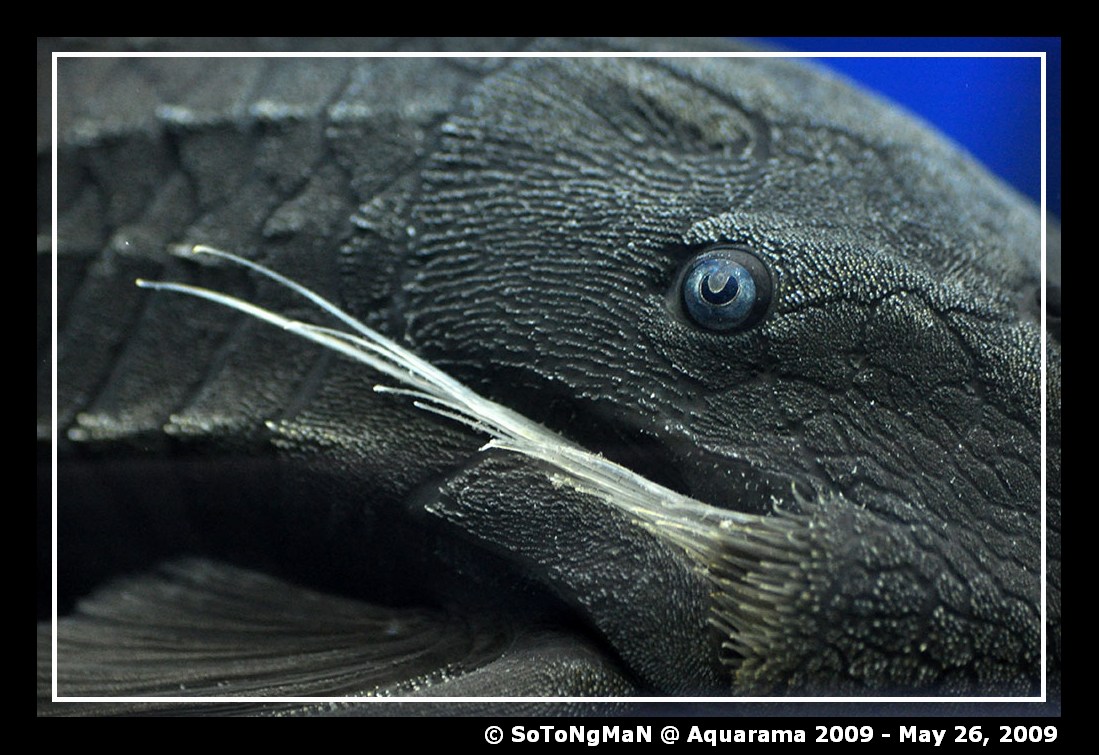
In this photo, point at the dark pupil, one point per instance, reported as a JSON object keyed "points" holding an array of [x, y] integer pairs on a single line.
{"points": [[719, 288]]}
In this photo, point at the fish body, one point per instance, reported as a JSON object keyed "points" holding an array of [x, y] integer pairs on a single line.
{"points": [[843, 488]]}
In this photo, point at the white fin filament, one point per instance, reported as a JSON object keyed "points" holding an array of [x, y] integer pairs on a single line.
{"points": [[695, 526]]}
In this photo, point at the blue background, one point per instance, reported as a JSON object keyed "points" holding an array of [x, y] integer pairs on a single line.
{"points": [[990, 106]]}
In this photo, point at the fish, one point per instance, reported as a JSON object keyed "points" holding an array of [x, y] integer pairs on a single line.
{"points": [[687, 376]]}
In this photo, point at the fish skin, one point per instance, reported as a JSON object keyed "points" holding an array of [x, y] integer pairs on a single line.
{"points": [[903, 365], [424, 175]]}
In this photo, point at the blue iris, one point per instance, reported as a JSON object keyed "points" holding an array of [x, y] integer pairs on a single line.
{"points": [[722, 289]]}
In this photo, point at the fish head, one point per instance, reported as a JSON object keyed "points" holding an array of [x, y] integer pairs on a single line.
{"points": [[883, 381]]}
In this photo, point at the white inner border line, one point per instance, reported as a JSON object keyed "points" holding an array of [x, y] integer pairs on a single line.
{"points": [[1042, 389], [53, 378], [727, 699]]}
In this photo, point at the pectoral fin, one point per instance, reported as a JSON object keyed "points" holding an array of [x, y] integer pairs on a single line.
{"points": [[202, 628]]}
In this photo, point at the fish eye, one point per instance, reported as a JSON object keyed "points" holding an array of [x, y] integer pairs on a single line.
{"points": [[726, 288]]}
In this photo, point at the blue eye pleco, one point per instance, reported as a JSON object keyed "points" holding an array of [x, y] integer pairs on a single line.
{"points": [[726, 288]]}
